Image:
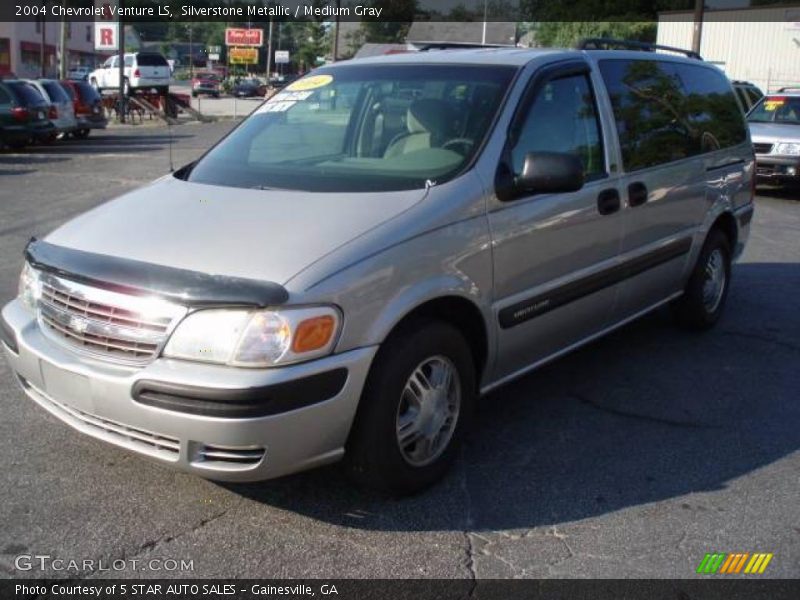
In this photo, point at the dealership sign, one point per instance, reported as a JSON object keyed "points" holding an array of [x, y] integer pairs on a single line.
{"points": [[244, 37], [243, 56], [106, 27], [106, 36]]}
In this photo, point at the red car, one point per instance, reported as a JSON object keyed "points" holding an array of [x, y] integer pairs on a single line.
{"points": [[88, 107], [205, 83]]}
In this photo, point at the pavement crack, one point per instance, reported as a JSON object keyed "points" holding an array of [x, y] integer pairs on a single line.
{"points": [[632, 415], [469, 549]]}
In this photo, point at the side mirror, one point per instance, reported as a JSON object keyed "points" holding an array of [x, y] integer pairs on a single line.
{"points": [[549, 173]]}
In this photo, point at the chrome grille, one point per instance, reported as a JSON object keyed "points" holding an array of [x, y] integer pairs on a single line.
{"points": [[109, 325], [762, 148]]}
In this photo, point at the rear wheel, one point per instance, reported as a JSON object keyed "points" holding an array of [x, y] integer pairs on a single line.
{"points": [[703, 300], [414, 411]]}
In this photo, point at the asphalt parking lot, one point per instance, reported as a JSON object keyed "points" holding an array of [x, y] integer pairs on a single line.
{"points": [[631, 458]]}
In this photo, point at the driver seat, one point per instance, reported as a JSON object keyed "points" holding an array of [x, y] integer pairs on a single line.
{"points": [[427, 124]]}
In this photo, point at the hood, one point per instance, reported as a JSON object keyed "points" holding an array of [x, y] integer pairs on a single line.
{"points": [[770, 133], [266, 235]]}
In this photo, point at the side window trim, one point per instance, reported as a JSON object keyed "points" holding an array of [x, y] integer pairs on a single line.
{"points": [[551, 72]]}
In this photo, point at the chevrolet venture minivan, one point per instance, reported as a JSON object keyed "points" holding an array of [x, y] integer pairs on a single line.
{"points": [[376, 246]]}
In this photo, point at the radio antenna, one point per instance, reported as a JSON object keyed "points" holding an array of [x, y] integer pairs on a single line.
{"points": [[169, 129]]}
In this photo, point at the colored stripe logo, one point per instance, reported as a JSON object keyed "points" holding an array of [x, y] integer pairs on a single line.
{"points": [[722, 563]]}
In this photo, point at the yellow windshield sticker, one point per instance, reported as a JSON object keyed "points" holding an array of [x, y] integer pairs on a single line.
{"points": [[773, 104], [310, 83]]}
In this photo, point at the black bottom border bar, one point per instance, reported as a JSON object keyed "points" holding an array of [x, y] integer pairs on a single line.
{"points": [[710, 587]]}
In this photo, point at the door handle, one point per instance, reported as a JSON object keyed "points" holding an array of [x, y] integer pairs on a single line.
{"points": [[637, 194], [608, 201]]}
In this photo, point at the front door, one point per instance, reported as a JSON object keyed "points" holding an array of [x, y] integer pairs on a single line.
{"points": [[552, 252]]}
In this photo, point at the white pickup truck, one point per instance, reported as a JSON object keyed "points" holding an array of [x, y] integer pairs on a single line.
{"points": [[143, 71]]}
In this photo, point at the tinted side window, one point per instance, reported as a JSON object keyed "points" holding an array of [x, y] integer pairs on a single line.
{"points": [[151, 60], [563, 118], [711, 107], [647, 100]]}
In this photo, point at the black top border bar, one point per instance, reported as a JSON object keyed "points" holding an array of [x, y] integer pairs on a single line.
{"points": [[260, 12]]}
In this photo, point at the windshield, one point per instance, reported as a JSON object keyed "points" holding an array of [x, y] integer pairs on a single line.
{"points": [[55, 91], [776, 109], [362, 128]]}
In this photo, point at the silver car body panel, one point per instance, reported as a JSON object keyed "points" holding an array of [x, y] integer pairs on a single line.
{"points": [[378, 257]]}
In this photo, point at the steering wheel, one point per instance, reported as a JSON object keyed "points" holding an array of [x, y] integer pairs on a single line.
{"points": [[467, 142]]}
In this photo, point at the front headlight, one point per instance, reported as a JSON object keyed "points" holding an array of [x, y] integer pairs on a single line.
{"points": [[29, 289], [255, 338], [787, 148]]}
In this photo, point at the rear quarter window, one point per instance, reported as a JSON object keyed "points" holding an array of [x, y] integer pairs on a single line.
{"points": [[666, 111], [5, 97], [55, 91], [26, 94], [151, 60]]}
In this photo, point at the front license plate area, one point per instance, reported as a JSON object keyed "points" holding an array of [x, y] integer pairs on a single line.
{"points": [[67, 388]]}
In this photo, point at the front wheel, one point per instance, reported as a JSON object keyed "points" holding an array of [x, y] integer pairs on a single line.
{"points": [[81, 134], [414, 411], [703, 300]]}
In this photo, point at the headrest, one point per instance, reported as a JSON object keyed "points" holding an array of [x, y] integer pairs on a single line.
{"points": [[428, 116]]}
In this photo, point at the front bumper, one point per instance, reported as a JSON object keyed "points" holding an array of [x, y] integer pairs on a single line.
{"points": [[778, 168], [97, 398]]}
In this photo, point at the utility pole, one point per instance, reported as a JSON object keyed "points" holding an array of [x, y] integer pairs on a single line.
{"points": [[336, 32], [485, 10], [123, 101], [62, 58], [191, 52], [697, 32], [269, 51], [42, 71]]}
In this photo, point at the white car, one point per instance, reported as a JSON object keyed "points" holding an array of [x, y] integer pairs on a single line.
{"points": [[143, 71]]}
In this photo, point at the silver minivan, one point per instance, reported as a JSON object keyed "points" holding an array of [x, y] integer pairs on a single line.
{"points": [[377, 245]]}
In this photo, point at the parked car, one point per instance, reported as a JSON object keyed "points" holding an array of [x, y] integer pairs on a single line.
{"points": [[142, 71], [747, 94], [88, 105], [282, 81], [62, 111], [775, 129], [249, 88], [79, 73], [206, 83], [387, 239], [23, 114]]}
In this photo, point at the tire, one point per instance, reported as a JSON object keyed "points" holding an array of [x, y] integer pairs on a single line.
{"points": [[194, 94], [18, 144], [82, 134], [390, 409], [702, 302]]}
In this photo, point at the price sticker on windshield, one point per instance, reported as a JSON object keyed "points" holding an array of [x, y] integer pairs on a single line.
{"points": [[310, 83], [773, 104], [284, 101]]}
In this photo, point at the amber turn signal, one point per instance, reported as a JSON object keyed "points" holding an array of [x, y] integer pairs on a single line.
{"points": [[313, 334]]}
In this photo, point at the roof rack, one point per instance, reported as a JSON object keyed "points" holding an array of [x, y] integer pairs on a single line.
{"points": [[425, 46], [790, 88], [611, 43]]}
